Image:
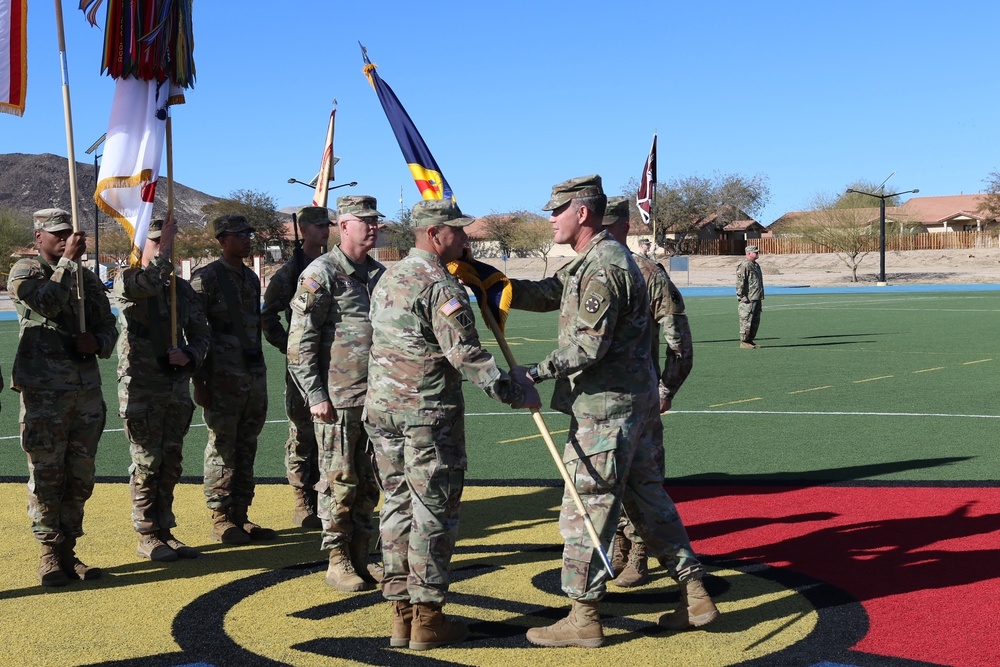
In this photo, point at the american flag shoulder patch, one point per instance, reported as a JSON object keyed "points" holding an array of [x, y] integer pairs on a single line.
{"points": [[450, 307], [311, 284]]}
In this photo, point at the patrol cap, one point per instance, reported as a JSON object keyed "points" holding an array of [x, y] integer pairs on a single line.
{"points": [[430, 212], [313, 215], [230, 224], [617, 209], [581, 186], [155, 229], [645, 242], [752, 248], [361, 206], [52, 220]]}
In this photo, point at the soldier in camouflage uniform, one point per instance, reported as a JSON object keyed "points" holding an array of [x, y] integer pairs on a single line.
{"points": [[667, 312], [154, 393], [750, 293], [605, 380], [232, 384], [424, 343], [57, 375], [646, 248], [301, 454], [328, 347]]}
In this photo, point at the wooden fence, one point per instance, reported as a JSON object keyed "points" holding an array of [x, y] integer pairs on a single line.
{"points": [[893, 243]]}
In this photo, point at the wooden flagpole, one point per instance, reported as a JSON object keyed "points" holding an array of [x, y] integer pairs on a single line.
{"points": [[536, 414], [70, 156], [170, 215]]}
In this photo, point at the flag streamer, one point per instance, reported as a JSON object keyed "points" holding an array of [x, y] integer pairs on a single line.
{"points": [[424, 168], [647, 186], [325, 175], [13, 56]]}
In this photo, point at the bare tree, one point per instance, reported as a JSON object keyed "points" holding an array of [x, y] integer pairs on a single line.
{"points": [[261, 211], [15, 234], [532, 237]]}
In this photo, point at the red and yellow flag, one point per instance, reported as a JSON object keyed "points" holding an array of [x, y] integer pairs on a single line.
{"points": [[13, 55]]}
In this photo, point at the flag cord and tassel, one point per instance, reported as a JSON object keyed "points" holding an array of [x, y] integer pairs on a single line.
{"points": [[70, 157], [543, 430], [170, 215]]}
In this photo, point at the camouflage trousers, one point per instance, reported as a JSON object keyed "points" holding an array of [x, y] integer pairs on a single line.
{"points": [[649, 515], [60, 430], [422, 467], [749, 320], [237, 415], [301, 453], [157, 418], [347, 490]]}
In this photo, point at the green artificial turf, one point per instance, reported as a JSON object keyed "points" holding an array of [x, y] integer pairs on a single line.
{"points": [[846, 387]]}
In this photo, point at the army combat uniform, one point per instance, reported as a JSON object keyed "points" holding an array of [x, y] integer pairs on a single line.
{"points": [[328, 350], [750, 293], [154, 397], [62, 407], [236, 378], [301, 453]]}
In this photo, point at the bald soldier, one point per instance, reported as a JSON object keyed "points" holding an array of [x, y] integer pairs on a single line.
{"points": [[424, 344], [328, 346], [56, 373], [301, 454]]}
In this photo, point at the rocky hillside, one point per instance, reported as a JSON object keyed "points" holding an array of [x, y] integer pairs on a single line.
{"points": [[32, 182]]}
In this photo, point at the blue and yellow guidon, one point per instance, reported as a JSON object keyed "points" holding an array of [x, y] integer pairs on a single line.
{"points": [[426, 172]]}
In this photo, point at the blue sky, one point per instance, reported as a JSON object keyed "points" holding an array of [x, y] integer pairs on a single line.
{"points": [[512, 97]]}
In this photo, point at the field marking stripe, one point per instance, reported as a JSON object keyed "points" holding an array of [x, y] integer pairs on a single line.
{"points": [[880, 377], [745, 400], [803, 391], [833, 413], [928, 370], [977, 361]]}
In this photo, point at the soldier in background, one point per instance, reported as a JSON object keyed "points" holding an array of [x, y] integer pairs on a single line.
{"points": [[328, 346], [301, 464], [667, 312], [424, 343], [56, 372], [154, 393], [750, 294], [646, 248], [232, 385]]}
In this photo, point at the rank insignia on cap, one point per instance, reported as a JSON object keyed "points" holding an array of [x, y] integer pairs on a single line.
{"points": [[311, 284], [450, 307]]}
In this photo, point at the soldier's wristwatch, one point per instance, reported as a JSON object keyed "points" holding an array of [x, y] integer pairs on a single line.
{"points": [[533, 373]]}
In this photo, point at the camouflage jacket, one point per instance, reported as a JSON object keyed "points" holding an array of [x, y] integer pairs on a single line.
{"points": [[142, 351], [48, 312], [667, 306], [425, 341], [749, 281], [331, 330], [278, 297], [602, 366], [227, 356]]}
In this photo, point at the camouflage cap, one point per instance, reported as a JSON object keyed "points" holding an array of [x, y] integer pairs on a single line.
{"points": [[753, 248], [430, 212], [360, 206], [155, 229], [581, 186], [617, 209], [52, 220], [313, 215], [645, 242], [230, 224]]}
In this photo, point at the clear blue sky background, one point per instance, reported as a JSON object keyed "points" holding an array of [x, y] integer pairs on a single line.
{"points": [[512, 97]]}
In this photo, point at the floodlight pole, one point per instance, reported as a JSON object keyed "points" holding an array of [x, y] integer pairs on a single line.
{"points": [[97, 209], [881, 216]]}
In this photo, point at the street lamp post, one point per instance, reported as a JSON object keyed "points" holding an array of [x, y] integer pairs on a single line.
{"points": [[881, 216]]}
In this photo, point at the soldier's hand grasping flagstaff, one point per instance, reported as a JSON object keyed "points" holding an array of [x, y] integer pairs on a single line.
{"points": [[86, 343], [177, 357], [76, 245], [167, 235], [323, 412]]}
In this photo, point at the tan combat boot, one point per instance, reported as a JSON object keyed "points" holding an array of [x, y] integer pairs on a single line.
{"points": [[183, 550], [340, 572], [73, 566], [581, 628], [747, 346], [636, 571], [358, 550], [619, 552], [304, 512], [50, 573], [402, 619], [153, 548], [694, 610], [225, 531], [255, 531], [430, 628]]}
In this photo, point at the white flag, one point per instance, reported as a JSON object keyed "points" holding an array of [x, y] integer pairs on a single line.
{"points": [[126, 185]]}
